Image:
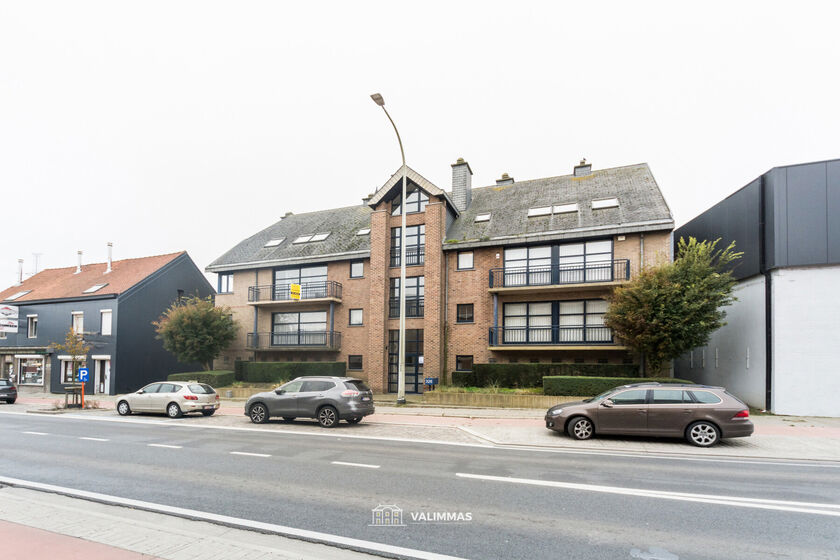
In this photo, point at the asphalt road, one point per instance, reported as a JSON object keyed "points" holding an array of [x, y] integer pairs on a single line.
{"points": [[521, 503]]}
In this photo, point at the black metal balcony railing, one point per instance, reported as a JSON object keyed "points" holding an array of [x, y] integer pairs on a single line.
{"points": [[548, 275], [499, 336], [308, 290], [414, 307], [310, 339], [415, 255]]}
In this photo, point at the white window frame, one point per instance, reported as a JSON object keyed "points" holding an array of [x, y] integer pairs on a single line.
{"points": [[363, 231], [229, 289], [320, 236], [361, 313], [484, 217], [539, 211], [102, 314], [605, 203], [565, 208], [81, 318], [31, 320], [471, 258], [95, 288], [302, 239], [274, 242]]}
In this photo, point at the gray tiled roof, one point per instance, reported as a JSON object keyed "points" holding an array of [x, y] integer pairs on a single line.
{"points": [[641, 208], [343, 243]]}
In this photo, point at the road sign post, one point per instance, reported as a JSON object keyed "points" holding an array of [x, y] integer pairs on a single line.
{"points": [[83, 377]]}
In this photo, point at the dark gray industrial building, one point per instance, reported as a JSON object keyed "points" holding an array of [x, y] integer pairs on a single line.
{"points": [[779, 349], [113, 305]]}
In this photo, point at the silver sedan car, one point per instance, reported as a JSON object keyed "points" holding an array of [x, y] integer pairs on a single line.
{"points": [[173, 398]]}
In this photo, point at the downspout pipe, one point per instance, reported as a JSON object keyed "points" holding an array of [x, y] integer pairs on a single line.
{"points": [[768, 295]]}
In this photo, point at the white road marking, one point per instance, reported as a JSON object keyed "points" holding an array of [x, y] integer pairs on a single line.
{"points": [[758, 503], [292, 532], [166, 446], [249, 454], [817, 463], [355, 465], [94, 439], [36, 433]]}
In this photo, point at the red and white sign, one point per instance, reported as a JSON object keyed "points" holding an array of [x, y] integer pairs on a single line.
{"points": [[8, 318]]}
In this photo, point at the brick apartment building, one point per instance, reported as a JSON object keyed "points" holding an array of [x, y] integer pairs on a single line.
{"points": [[513, 272]]}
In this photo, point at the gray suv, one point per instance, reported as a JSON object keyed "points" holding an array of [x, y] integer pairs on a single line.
{"points": [[327, 399]]}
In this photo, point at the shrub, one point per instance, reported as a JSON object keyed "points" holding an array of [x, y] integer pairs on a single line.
{"points": [[531, 375], [278, 372], [216, 378], [590, 386]]}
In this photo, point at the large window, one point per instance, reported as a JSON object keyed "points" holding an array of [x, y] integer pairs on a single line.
{"points": [[413, 360], [417, 201], [527, 266], [585, 262], [415, 245], [31, 371], [414, 296], [304, 328], [465, 260], [226, 283], [67, 371], [312, 280], [559, 322]]}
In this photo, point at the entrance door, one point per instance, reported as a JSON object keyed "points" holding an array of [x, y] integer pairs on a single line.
{"points": [[413, 360], [102, 379]]}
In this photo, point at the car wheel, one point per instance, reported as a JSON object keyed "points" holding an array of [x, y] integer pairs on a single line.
{"points": [[354, 420], [173, 410], [123, 409], [258, 413], [289, 418], [702, 434], [328, 417], [581, 428], [208, 412], [11, 401]]}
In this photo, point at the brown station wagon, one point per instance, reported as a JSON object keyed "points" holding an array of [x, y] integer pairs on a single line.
{"points": [[699, 413]]}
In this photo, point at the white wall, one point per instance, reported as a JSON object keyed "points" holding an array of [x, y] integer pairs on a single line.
{"points": [[740, 347], [806, 341]]}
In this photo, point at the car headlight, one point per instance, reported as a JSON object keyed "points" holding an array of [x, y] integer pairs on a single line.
{"points": [[555, 411]]}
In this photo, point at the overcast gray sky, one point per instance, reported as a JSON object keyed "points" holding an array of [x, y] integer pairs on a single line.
{"points": [[164, 126]]}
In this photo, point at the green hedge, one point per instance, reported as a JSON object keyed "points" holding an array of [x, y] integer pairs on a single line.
{"points": [[216, 378], [278, 372], [590, 386], [531, 375]]}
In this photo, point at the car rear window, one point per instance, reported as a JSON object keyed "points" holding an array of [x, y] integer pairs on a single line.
{"points": [[5, 383], [706, 397], [357, 385], [201, 389]]}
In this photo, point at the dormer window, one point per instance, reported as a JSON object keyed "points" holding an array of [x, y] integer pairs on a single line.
{"points": [[17, 295], [274, 242], [605, 203], [417, 201], [540, 211], [565, 208], [94, 288], [482, 217]]}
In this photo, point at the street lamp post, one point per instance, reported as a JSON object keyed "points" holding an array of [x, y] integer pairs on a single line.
{"points": [[377, 98]]}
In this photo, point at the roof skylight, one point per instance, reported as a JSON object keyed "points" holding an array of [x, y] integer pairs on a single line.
{"points": [[605, 203], [541, 211], [303, 239], [320, 236], [17, 295], [274, 242], [310, 238], [565, 208], [363, 231], [95, 288], [482, 217]]}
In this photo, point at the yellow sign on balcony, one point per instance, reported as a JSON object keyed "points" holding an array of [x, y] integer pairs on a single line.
{"points": [[294, 291]]}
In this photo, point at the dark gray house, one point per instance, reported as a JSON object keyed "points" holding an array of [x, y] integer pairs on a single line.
{"points": [[113, 305], [779, 350]]}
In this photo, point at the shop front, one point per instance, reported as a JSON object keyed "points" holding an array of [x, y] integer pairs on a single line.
{"points": [[27, 368]]}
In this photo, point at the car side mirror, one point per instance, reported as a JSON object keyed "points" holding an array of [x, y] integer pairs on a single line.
{"points": [[607, 403], [279, 391], [140, 392]]}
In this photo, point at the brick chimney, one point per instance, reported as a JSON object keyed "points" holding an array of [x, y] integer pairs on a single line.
{"points": [[505, 180], [461, 184]]}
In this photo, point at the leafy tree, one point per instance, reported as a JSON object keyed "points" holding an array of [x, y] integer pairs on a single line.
{"points": [[75, 346], [674, 307], [195, 330]]}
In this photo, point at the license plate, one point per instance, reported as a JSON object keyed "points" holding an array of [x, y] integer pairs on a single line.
{"points": [[210, 407], [365, 398]]}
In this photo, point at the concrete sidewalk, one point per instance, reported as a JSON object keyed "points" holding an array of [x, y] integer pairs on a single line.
{"points": [[775, 437], [39, 525]]}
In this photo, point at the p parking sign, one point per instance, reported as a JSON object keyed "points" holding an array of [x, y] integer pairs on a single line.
{"points": [[83, 374]]}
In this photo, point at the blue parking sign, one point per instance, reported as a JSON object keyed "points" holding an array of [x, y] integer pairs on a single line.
{"points": [[83, 374]]}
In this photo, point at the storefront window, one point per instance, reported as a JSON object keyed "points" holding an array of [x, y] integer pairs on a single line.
{"points": [[31, 371]]}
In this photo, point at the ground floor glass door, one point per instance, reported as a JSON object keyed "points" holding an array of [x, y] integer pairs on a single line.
{"points": [[102, 379], [413, 360]]}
